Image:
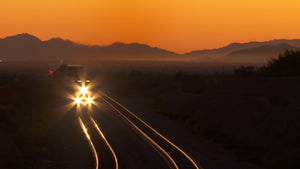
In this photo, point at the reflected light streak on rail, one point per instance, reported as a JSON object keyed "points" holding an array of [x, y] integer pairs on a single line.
{"points": [[197, 166], [90, 142], [107, 143], [145, 135]]}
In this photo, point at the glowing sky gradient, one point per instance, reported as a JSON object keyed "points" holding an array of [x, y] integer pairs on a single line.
{"points": [[176, 25]]}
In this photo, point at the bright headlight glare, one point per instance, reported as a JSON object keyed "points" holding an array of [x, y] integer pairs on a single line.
{"points": [[77, 100], [83, 90], [89, 100]]}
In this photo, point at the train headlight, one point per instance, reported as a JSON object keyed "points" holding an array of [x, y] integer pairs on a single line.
{"points": [[89, 100], [77, 100], [83, 90]]}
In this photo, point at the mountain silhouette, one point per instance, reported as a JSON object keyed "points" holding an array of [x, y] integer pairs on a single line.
{"points": [[134, 49], [239, 46], [255, 52], [28, 47], [261, 53], [20, 46]]}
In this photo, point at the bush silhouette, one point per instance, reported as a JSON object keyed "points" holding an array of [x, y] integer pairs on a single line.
{"points": [[287, 64], [244, 71]]}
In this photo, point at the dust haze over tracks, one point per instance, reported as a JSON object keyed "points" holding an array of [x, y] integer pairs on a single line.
{"points": [[101, 157], [176, 157]]}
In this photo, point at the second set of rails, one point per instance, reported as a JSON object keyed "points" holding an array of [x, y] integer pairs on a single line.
{"points": [[174, 156]]}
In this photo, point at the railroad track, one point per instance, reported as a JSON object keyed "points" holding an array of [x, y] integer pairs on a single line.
{"points": [[106, 157], [171, 153]]}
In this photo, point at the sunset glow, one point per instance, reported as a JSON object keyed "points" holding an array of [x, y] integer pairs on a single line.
{"points": [[175, 25]]}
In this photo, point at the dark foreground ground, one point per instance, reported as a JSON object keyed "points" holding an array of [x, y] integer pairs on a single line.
{"points": [[255, 118], [253, 121]]}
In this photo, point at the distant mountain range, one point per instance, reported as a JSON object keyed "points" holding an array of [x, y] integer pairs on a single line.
{"points": [[248, 52], [28, 47]]}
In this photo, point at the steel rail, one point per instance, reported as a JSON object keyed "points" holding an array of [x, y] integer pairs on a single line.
{"points": [[106, 142], [195, 164], [84, 129], [160, 149]]}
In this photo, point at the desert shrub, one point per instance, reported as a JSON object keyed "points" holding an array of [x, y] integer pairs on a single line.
{"points": [[244, 71], [287, 64]]}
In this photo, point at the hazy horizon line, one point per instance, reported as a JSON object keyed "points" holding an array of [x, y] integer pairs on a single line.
{"points": [[128, 43]]}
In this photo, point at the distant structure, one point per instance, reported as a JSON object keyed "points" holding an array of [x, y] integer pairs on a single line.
{"points": [[72, 71]]}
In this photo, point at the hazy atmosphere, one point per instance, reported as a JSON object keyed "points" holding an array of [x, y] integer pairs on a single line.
{"points": [[169, 84], [175, 25]]}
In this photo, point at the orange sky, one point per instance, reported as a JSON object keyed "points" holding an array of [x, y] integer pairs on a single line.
{"points": [[176, 25]]}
